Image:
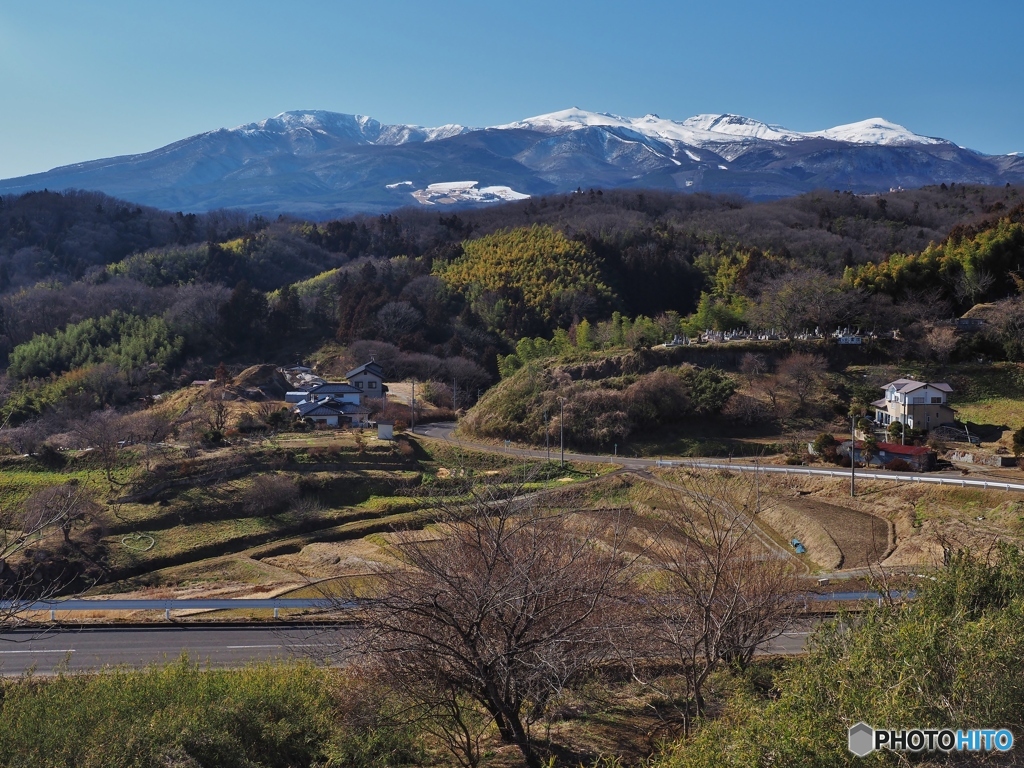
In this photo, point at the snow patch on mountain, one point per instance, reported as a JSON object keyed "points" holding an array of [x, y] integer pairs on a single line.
{"points": [[451, 192], [739, 127]]}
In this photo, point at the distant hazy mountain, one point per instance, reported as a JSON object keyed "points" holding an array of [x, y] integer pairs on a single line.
{"points": [[323, 163]]}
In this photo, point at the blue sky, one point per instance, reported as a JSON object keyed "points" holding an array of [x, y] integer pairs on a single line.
{"points": [[80, 81]]}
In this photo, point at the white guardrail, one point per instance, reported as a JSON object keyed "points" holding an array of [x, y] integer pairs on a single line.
{"points": [[860, 474]]}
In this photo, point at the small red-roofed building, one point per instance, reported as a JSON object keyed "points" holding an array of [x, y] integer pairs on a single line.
{"points": [[919, 457]]}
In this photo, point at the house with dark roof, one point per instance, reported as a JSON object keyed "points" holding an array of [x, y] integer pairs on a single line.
{"points": [[916, 404], [339, 390], [330, 412], [368, 378]]}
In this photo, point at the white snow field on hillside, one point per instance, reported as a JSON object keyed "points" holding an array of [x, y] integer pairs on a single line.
{"points": [[451, 192]]}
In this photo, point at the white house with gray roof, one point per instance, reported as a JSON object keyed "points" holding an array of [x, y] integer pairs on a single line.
{"points": [[916, 404]]}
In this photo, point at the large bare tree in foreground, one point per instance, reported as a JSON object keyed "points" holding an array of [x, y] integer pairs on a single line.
{"points": [[503, 605], [722, 591]]}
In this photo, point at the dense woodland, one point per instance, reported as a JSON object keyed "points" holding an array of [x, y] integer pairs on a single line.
{"points": [[102, 302]]}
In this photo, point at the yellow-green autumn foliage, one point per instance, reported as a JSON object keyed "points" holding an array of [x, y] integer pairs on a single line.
{"points": [[324, 284], [727, 270], [534, 271], [997, 251]]}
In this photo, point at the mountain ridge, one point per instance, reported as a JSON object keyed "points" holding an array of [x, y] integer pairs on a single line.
{"points": [[317, 163]]}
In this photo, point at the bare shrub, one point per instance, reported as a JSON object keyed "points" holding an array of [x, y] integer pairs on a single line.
{"points": [[269, 495], [940, 342], [898, 465]]}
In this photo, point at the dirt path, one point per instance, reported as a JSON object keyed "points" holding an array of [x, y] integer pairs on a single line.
{"points": [[862, 539]]}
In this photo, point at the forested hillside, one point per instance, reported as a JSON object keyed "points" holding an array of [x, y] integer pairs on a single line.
{"points": [[107, 301]]}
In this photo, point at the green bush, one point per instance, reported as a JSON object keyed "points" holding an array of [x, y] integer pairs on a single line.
{"points": [[953, 657], [824, 442], [263, 716], [88, 388]]}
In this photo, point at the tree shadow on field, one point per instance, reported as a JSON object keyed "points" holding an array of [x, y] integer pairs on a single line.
{"points": [[989, 433]]}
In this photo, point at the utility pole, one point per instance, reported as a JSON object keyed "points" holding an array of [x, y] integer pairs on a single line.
{"points": [[412, 408], [757, 490], [455, 394], [547, 436], [853, 453], [561, 430]]}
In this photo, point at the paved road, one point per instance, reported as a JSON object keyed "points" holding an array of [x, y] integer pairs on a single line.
{"points": [[443, 431], [216, 647], [196, 603], [93, 648]]}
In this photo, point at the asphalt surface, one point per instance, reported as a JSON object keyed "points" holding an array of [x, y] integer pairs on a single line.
{"points": [[47, 651], [195, 603]]}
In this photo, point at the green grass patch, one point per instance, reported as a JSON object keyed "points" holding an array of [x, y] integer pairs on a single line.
{"points": [[18, 485], [265, 716], [997, 411]]}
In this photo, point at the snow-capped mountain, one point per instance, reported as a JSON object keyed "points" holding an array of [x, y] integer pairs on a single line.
{"points": [[724, 129], [331, 126], [318, 163]]}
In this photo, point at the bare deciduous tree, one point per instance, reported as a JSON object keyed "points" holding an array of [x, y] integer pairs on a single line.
{"points": [[753, 366], [512, 604], [103, 432], [59, 507], [46, 512], [972, 285], [216, 413], [799, 300], [774, 388], [941, 341], [147, 429], [723, 591], [802, 374]]}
